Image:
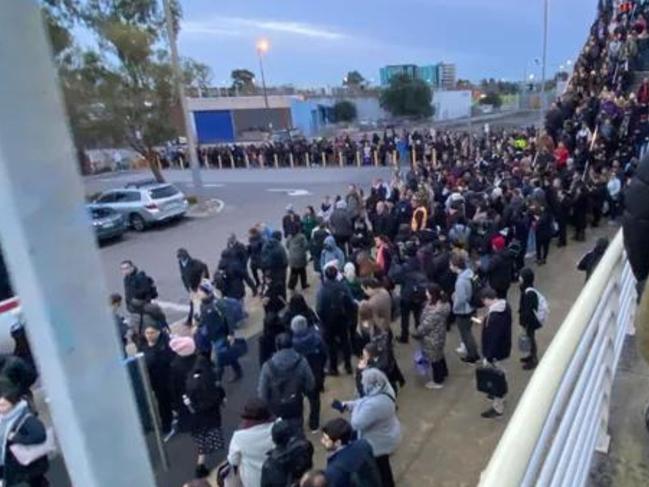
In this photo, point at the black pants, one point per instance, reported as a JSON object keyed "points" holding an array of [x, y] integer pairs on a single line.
{"points": [[385, 470], [36, 481], [408, 308], [337, 339], [502, 293], [314, 410], [542, 249], [563, 230], [341, 241], [163, 398], [255, 271], [530, 332], [440, 371], [293, 276]]}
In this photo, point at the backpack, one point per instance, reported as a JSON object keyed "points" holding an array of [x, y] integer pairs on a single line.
{"points": [[476, 291], [220, 279], [152, 292], [233, 311], [543, 309], [288, 466], [418, 288], [286, 394]]}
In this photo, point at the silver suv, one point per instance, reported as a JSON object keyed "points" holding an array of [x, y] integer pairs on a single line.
{"points": [[145, 202]]}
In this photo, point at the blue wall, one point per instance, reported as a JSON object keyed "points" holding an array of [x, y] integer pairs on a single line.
{"points": [[214, 126]]}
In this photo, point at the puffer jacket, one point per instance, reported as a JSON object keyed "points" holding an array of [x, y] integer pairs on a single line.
{"points": [[432, 330]]}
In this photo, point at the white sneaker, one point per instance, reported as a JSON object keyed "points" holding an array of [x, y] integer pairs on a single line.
{"points": [[461, 350], [433, 385]]}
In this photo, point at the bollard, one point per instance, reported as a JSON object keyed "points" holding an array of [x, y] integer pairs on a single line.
{"points": [[220, 160], [376, 158], [358, 158], [181, 162], [247, 159], [340, 158], [394, 157], [290, 160], [206, 161], [276, 160], [262, 162], [413, 153], [434, 157], [308, 161], [324, 160], [231, 160]]}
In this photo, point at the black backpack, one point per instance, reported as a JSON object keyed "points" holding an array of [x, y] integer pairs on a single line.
{"points": [[418, 287], [476, 291], [152, 290], [286, 394], [285, 468]]}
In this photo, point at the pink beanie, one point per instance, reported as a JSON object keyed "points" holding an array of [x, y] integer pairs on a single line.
{"points": [[183, 346]]}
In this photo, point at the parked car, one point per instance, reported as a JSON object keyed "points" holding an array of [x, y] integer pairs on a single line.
{"points": [[108, 224], [144, 203]]}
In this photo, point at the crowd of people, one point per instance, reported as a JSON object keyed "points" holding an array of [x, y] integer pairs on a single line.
{"points": [[436, 247]]}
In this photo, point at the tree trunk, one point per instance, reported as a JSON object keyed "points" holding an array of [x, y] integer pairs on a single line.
{"points": [[153, 159]]}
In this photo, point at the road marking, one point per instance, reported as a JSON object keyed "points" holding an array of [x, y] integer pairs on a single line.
{"points": [[290, 192], [169, 306], [220, 204]]}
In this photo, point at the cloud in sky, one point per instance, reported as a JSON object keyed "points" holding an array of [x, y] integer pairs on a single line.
{"points": [[236, 26]]}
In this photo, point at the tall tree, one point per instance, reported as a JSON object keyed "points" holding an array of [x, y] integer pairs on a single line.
{"points": [[243, 81], [354, 79], [122, 92], [197, 76], [344, 111], [407, 96]]}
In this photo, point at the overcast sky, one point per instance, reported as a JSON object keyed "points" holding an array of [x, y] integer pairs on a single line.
{"points": [[315, 42]]}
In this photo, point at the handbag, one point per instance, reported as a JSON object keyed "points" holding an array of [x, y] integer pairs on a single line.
{"points": [[227, 476], [524, 343], [28, 454], [422, 364], [491, 380]]}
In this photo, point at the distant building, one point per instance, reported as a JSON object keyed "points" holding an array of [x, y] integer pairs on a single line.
{"points": [[446, 76], [440, 75]]}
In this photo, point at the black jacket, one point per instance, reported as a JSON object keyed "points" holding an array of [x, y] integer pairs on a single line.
{"points": [[335, 305], [636, 221], [286, 464], [291, 224], [235, 276], [497, 333], [192, 273], [179, 371], [544, 227], [255, 245], [412, 279], [214, 320], [29, 430], [273, 257], [205, 396], [529, 304], [136, 286]]}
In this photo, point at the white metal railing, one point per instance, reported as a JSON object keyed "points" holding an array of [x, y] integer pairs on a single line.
{"points": [[562, 417]]}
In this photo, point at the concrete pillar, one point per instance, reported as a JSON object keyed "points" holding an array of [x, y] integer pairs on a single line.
{"points": [[276, 160], [358, 158], [340, 158], [46, 229]]}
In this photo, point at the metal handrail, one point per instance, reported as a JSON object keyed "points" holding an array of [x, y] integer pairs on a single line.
{"points": [[563, 412]]}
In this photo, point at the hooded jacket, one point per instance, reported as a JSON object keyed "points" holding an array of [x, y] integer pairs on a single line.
{"points": [[331, 252], [341, 221], [273, 256], [374, 416], [307, 341], [463, 291], [297, 251], [286, 361], [497, 332]]}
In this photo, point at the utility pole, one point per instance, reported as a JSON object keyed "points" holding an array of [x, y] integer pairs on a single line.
{"points": [[545, 52], [262, 48], [180, 90], [45, 229]]}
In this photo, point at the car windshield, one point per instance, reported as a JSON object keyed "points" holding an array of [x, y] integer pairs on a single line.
{"points": [[6, 291], [163, 192]]}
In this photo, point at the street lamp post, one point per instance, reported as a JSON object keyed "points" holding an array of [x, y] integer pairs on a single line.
{"points": [[262, 48], [543, 65], [180, 89]]}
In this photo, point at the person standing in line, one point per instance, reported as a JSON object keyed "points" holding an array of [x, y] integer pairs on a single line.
{"points": [[496, 341], [334, 307], [316, 247], [158, 356], [274, 263], [544, 231], [204, 398], [255, 245], [380, 302], [308, 342], [462, 308], [19, 426], [432, 334], [291, 223], [374, 418], [309, 222], [527, 314], [251, 442], [285, 379], [342, 225], [298, 247], [349, 460]]}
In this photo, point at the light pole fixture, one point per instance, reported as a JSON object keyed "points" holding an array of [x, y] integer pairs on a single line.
{"points": [[262, 48]]}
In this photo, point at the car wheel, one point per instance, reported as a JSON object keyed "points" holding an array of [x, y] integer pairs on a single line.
{"points": [[137, 222]]}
